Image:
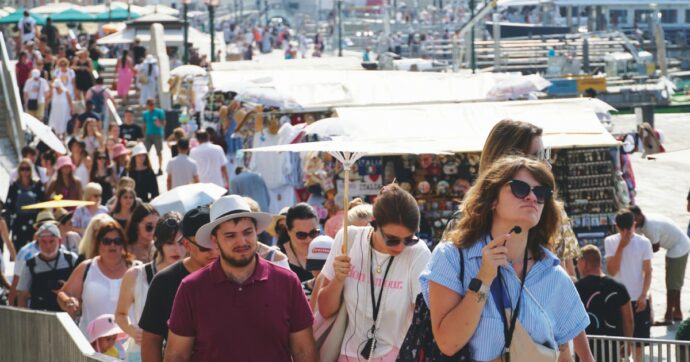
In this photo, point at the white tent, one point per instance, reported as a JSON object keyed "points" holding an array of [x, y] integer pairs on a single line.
{"points": [[267, 63], [323, 89], [54, 8], [463, 127]]}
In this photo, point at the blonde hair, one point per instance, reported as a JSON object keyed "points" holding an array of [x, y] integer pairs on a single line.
{"points": [[91, 189], [360, 212], [253, 205], [87, 246]]}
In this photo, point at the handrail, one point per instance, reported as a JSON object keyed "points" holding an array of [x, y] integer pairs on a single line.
{"points": [[113, 112], [12, 99], [657, 349], [59, 338]]}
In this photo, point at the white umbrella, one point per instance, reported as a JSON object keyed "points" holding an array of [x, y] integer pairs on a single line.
{"points": [[190, 69], [187, 197], [43, 132]]}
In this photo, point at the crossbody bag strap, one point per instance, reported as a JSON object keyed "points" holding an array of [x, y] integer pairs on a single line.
{"points": [[502, 302]]}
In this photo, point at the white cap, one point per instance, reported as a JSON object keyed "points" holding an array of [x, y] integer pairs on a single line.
{"points": [[319, 248]]}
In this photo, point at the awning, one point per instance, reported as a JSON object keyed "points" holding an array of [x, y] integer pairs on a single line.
{"points": [[14, 17], [117, 14], [463, 127], [72, 15], [325, 89], [172, 37]]}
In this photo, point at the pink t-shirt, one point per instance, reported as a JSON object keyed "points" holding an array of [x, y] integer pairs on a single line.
{"points": [[232, 322]]}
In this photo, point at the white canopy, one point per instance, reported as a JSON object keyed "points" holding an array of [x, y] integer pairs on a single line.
{"points": [[268, 63], [464, 127], [324, 89], [172, 36]]}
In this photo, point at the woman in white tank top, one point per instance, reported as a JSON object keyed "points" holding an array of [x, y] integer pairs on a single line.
{"points": [[94, 287], [135, 284]]}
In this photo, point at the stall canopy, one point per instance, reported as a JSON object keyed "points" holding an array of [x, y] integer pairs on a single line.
{"points": [[173, 37], [310, 90], [72, 15], [463, 127], [347, 62], [14, 17], [117, 14]]}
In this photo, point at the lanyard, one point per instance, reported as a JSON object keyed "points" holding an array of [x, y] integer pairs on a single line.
{"points": [[508, 329], [376, 304]]}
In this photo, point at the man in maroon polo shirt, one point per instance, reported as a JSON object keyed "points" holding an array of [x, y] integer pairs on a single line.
{"points": [[240, 307]]}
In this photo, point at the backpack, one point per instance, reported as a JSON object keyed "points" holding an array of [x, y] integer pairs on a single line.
{"points": [[419, 344], [27, 28], [98, 100], [31, 263]]}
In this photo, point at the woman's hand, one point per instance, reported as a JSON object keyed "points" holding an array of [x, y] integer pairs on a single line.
{"points": [[494, 254], [341, 266], [137, 335], [72, 306]]}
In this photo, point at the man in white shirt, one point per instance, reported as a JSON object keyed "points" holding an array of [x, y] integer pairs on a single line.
{"points": [[210, 160], [27, 27], [664, 233], [629, 261], [182, 170], [35, 91]]}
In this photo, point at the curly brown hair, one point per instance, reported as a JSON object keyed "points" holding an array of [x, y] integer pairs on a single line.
{"points": [[478, 206]]}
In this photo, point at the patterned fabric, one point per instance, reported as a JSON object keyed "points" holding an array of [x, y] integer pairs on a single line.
{"points": [[567, 246]]}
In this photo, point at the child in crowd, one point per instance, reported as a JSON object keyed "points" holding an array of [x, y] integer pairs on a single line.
{"points": [[106, 337]]}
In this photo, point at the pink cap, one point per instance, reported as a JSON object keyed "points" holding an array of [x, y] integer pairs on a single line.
{"points": [[63, 161], [104, 326], [119, 150]]}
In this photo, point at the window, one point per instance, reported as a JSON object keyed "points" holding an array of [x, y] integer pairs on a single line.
{"points": [[641, 16], [669, 16], [618, 17], [687, 16]]}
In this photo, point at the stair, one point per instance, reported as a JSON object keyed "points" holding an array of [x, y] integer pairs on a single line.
{"points": [[109, 75]]}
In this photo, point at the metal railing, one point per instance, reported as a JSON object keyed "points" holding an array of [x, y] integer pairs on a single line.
{"points": [[614, 349], [28, 335], [10, 89]]}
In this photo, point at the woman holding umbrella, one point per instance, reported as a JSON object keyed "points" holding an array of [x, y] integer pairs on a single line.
{"points": [[26, 190], [64, 182], [140, 170]]}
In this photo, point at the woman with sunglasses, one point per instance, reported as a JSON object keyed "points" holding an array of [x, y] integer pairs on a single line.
{"points": [[390, 254], [83, 214], [302, 227], [94, 287], [125, 203], [498, 259], [135, 284], [140, 232], [103, 175], [26, 190]]}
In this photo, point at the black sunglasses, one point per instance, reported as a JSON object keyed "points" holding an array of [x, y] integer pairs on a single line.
{"points": [[521, 190], [393, 241], [109, 241], [312, 234], [24, 169]]}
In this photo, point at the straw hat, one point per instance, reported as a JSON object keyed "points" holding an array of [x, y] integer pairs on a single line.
{"points": [[271, 229], [43, 217]]}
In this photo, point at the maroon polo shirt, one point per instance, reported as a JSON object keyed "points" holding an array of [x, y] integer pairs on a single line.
{"points": [[247, 322]]}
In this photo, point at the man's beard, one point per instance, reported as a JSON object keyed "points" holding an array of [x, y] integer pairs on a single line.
{"points": [[238, 263]]}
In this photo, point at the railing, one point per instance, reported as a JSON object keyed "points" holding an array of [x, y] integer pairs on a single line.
{"points": [[28, 335], [10, 90], [605, 348]]}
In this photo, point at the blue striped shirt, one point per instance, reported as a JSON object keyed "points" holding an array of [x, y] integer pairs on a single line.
{"points": [[551, 310]]}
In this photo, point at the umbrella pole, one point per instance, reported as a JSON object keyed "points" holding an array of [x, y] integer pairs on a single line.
{"points": [[346, 192]]}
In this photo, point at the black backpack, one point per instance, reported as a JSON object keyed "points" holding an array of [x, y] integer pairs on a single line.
{"points": [[419, 344]]}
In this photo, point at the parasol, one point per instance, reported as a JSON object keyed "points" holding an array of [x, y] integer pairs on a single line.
{"points": [[348, 152], [43, 132], [190, 69], [187, 197], [58, 202]]}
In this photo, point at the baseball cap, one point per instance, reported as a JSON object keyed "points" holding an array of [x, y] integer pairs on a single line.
{"points": [[195, 219], [319, 248], [49, 227]]}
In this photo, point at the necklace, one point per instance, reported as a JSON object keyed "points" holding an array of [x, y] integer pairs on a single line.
{"points": [[299, 263], [375, 258]]}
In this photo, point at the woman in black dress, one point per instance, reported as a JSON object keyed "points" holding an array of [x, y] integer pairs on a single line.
{"points": [[83, 69], [26, 190], [102, 175], [140, 170]]}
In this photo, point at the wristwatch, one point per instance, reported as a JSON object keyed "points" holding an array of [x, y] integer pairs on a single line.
{"points": [[481, 289]]}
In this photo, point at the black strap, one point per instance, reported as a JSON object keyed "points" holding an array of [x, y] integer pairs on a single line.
{"points": [[31, 263], [376, 304], [149, 272], [509, 330], [68, 258], [86, 271], [462, 268]]}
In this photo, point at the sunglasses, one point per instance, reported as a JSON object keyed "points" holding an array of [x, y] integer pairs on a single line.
{"points": [[393, 241], [521, 190], [201, 248], [109, 241], [24, 169], [149, 227], [312, 234]]}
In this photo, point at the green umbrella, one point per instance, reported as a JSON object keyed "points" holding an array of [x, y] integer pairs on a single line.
{"points": [[72, 15], [17, 15], [117, 14]]}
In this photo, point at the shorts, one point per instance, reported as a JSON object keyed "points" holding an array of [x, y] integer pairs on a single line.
{"points": [[643, 320], [156, 140], [675, 272]]}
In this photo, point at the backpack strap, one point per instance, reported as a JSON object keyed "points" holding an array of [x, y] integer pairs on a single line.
{"points": [[149, 272], [31, 263], [462, 267], [69, 259], [86, 271]]}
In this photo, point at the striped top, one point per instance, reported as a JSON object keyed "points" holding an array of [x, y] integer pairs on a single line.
{"points": [[551, 310]]}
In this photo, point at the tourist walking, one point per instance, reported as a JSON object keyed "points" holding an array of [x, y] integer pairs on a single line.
{"points": [[302, 227], [83, 69], [147, 79], [125, 75], [64, 182], [140, 232], [154, 130], [60, 109], [140, 171], [25, 191], [210, 160], [182, 169]]}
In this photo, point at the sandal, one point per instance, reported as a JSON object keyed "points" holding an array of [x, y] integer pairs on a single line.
{"points": [[664, 322]]}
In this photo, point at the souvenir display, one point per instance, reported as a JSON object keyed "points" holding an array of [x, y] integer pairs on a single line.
{"points": [[586, 183]]}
